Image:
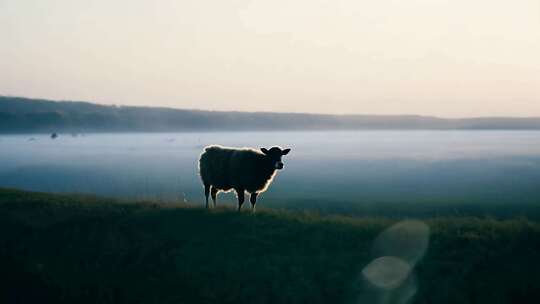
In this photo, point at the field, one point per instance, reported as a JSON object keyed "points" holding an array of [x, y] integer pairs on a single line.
{"points": [[84, 249]]}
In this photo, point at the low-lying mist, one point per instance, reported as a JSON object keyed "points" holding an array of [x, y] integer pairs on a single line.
{"points": [[323, 169]]}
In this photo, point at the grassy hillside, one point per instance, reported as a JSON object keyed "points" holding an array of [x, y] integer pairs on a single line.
{"points": [[69, 248]]}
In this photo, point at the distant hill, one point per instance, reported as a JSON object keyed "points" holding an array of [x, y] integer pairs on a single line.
{"points": [[24, 115]]}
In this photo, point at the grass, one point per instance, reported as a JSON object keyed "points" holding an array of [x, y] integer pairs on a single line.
{"points": [[73, 248]]}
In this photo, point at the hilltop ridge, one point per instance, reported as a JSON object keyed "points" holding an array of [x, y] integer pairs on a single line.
{"points": [[85, 249], [25, 115]]}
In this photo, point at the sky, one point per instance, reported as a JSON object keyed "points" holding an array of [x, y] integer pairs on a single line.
{"points": [[448, 58]]}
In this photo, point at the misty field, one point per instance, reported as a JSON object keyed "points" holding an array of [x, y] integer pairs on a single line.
{"points": [[73, 248], [326, 170]]}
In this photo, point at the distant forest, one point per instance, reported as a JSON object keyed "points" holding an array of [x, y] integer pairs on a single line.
{"points": [[24, 115]]}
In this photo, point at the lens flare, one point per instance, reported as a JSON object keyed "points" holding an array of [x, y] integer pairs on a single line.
{"points": [[387, 272], [407, 240], [389, 278]]}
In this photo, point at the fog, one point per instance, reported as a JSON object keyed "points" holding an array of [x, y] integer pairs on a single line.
{"points": [[333, 167]]}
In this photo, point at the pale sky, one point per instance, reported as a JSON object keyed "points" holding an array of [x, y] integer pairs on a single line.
{"points": [[449, 58]]}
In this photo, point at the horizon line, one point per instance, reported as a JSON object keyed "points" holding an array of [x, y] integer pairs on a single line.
{"points": [[271, 112]]}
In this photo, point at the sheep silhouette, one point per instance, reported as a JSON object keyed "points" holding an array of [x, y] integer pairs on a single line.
{"points": [[244, 170]]}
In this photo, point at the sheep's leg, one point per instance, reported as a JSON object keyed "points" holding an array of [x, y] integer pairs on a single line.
{"points": [[253, 200], [206, 193], [213, 193], [241, 197]]}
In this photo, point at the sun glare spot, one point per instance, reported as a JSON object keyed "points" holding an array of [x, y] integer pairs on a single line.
{"points": [[389, 278], [387, 272]]}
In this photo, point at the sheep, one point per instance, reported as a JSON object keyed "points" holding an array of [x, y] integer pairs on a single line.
{"points": [[242, 170]]}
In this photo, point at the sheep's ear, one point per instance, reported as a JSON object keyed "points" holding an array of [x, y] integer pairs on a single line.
{"points": [[285, 152], [263, 150]]}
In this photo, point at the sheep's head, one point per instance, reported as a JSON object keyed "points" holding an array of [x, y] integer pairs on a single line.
{"points": [[275, 154]]}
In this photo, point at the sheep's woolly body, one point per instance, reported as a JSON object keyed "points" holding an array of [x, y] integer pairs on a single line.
{"points": [[239, 169]]}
